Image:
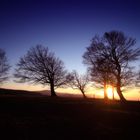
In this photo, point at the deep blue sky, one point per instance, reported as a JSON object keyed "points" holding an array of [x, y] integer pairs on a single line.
{"points": [[65, 26]]}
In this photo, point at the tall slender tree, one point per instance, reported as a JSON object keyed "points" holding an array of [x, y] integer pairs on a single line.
{"points": [[98, 66], [118, 50]]}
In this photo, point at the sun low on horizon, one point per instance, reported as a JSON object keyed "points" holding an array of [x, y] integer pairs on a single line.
{"points": [[110, 92], [132, 93]]}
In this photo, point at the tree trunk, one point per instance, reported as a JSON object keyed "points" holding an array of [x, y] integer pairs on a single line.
{"points": [[105, 91], [113, 93], [119, 90], [120, 94], [52, 89], [83, 94]]}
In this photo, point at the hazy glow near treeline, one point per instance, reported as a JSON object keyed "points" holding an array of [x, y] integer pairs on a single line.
{"points": [[129, 94]]}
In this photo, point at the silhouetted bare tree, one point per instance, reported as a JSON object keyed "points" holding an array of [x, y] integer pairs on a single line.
{"points": [[40, 65], [118, 50], [101, 76], [77, 81], [4, 66], [122, 50], [98, 66]]}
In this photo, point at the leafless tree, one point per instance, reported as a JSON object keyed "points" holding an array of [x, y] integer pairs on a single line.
{"points": [[101, 76], [4, 66], [40, 65], [118, 50], [122, 50], [98, 66], [77, 81]]}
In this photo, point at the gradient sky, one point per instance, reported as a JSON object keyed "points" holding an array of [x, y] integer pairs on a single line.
{"points": [[65, 26]]}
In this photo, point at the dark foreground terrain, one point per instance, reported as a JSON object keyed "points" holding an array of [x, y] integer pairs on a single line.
{"points": [[34, 117]]}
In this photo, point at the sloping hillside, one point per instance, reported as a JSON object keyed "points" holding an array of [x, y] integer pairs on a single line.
{"points": [[24, 117], [11, 92]]}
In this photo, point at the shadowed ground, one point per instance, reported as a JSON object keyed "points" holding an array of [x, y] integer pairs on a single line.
{"points": [[28, 116]]}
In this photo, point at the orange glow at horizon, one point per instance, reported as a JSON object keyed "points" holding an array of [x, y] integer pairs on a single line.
{"points": [[110, 92], [132, 93]]}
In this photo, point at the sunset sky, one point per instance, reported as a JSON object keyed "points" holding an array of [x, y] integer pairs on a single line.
{"points": [[65, 26]]}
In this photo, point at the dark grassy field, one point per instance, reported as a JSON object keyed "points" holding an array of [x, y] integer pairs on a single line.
{"points": [[30, 116]]}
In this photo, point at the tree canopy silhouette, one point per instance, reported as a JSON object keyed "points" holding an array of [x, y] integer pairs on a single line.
{"points": [[4, 66], [101, 75], [40, 65], [110, 55], [77, 81]]}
